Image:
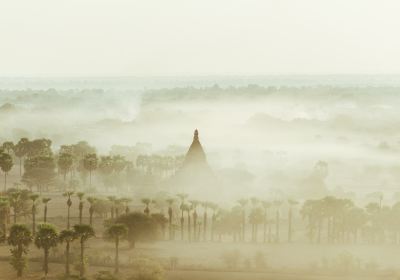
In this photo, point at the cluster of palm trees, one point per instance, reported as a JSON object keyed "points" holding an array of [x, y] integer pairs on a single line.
{"points": [[163, 166]]}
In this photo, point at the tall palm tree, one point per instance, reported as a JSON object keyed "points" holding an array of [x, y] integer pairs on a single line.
{"points": [[277, 204], [193, 206], [90, 162], [83, 233], [214, 208], [187, 208], [80, 195], [253, 217], [292, 203], [112, 199], [116, 232], [6, 163], [69, 203], [20, 151], [67, 236], [170, 202], [243, 202], [205, 205], [92, 200], [266, 205], [45, 200], [34, 197], [182, 197], [46, 238]]}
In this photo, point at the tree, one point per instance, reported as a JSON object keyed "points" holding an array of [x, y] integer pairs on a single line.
{"points": [[182, 197], [45, 200], [20, 151], [80, 195], [146, 202], [8, 147], [170, 202], [67, 236], [115, 233], [205, 205], [46, 238], [65, 161], [20, 237], [277, 204], [140, 227], [34, 198], [83, 233], [92, 201], [69, 203], [266, 205], [90, 164], [6, 163], [39, 171], [243, 202], [292, 203]]}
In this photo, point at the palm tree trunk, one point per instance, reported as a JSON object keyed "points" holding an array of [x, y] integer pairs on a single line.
{"points": [[243, 226], [117, 255], [189, 230], [46, 262], [67, 270], [33, 220], [82, 262], [5, 181], [68, 216], [45, 213], [182, 221]]}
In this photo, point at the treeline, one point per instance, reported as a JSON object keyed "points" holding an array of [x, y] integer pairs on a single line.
{"points": [[318, 93], [76, 164]]}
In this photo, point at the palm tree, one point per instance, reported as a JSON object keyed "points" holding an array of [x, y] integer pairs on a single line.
{"points": [[46, 239], [20, 151], [34, 197], [20, 237], [292, 203], [90, 164], [112, 199], [253, 217], [146, 202], [83, 233], [6, 163], [187, 208], [80, 195], [65, 161], [182, 197], [277, 204], [126, 202], [92, 201], [193, 206], [116, 232], [69, 203], [205, 205], [214, 208], [170, 216], [266, 205], [243, 202], [67, 236], [45, 200]]}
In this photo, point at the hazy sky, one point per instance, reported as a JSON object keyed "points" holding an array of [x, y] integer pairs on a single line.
{"points": [[201, 37]]}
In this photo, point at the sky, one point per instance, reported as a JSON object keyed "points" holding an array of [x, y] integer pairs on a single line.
{"points": [[52, 38]]}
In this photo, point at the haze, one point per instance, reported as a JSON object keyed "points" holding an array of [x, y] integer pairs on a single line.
{"points": [[168, 38]]}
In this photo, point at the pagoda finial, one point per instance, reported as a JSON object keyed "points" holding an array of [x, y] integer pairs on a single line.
{"points": [[196, 135]]}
